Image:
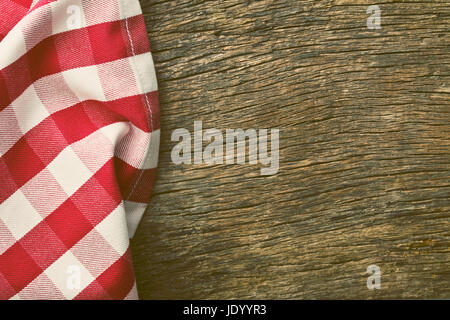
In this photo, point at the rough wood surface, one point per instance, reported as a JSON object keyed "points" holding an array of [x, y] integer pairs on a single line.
{"points": [[364, 119]]}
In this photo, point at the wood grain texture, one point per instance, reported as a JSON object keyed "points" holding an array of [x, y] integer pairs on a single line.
{"points": [[364, 119]]}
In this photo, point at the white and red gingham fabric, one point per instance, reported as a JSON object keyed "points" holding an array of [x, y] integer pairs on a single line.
{"points": [[79, 140]]}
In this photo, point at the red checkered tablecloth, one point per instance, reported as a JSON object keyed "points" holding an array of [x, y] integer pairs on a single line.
{"points": [[79, 140]]}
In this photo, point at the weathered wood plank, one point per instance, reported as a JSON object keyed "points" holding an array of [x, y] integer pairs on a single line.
{"points": [[364, 119]]}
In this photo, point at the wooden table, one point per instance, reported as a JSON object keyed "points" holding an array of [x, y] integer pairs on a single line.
{"points": [[364, 120]]}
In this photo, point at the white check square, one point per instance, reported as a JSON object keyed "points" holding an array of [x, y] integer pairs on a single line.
{"points": [[129, 8], [144, 71], [29, 109], [69, 171], [67, 15], [85, 83], [19, 215], [151, 161], [69, 275], [11, 47], [115, 132], [114, 229]]}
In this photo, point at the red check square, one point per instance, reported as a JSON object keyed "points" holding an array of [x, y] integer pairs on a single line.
{"points": [[23, 163], [74, 123], [43, 245], [43, 59], [68, 223], [114, 48], [74, 49], [22, 271]]}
